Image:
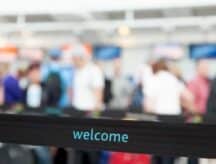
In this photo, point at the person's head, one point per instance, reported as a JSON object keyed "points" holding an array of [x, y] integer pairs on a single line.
{"points": [[159, 65], [175, 70], [3, 69], [202, 68], [18, 69], [55, 54], [80, 55], [34, 73]]}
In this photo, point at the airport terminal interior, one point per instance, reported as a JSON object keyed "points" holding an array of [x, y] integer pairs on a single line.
{"points": [[125, 60]]}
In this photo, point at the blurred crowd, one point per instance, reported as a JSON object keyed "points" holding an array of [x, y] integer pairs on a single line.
{"points": [[167, 93], [81, 82]]}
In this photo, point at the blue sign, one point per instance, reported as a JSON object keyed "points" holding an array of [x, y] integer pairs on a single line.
{"points": [[201, 51], [103, 52]]}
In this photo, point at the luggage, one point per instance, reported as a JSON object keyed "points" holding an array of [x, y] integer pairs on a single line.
{"points": [[129, 158]]}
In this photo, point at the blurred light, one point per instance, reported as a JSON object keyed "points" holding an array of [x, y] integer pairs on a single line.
{"points": [[170, 51], [124, 30], [3, 41], [128, 42], [26, 33], [33, 54], [168, 28], [206, 26], [65, 6]]}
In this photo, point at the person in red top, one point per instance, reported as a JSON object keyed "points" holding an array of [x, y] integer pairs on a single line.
{"points": [[199, 86]]}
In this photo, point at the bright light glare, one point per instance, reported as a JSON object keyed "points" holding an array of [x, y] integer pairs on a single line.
{"points": [[73, 6], [124, 30]]}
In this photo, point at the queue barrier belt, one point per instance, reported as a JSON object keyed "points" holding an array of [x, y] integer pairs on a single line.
{"points": [[174, 139]]}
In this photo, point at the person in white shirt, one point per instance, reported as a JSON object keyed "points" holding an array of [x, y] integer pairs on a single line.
{"points": [[34, 89], [165, 94], [88, 81]]}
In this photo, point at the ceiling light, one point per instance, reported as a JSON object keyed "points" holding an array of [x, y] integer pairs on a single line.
{"points": [[124, 30]]}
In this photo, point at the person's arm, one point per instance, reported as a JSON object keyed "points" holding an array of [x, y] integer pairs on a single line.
{"points": [[187, 100], [14, 89], [150, 92], [1, 95], [193, 89], [98, 92]]}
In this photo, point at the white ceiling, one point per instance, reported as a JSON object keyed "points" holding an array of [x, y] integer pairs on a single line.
{"points": [[150, 21], [80, 6]]}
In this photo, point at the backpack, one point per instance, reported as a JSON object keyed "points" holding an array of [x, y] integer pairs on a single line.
{"points": [[53, 89], [211, 103]]}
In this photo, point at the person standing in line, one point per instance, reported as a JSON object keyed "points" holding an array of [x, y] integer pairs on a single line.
{"points": [[34, 89], [199, 86], [13, 91], [165, 93], [211, 110], [121, 88], [88, 86], [67, 73], [88, 83], [52, 79]]}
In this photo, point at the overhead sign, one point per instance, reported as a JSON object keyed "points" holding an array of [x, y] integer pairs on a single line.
{"points": [[106, 52], [200, 51]]}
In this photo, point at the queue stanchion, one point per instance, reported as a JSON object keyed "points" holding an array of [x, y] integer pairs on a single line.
{"points": [[176, 139], [114, 114]]}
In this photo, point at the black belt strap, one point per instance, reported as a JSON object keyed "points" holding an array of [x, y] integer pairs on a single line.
{"points": [[143, 137]]}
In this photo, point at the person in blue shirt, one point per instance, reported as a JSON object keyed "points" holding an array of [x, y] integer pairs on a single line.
{"points": [[65, 72], [13, 93], [53, 64]]}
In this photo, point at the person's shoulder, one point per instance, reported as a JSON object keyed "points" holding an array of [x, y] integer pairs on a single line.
{"points": [[164, 74], [168, 76], [193, 81], [8, 78], [93, 68]]}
